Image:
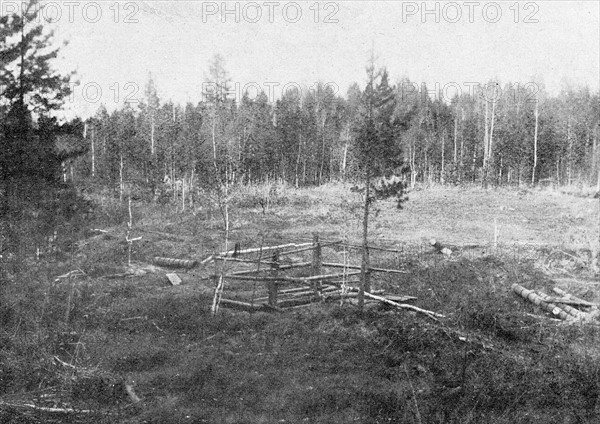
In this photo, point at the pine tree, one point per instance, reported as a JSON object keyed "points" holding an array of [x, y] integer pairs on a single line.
{"points": [[32, 90], [30, 159], [378, 153]]}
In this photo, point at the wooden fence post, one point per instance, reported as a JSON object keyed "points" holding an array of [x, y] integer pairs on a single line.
{"points": [[316, 264], [272, 286]]}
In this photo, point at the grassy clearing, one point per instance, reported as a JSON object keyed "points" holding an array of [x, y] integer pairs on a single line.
{"points": [[494, 359]]}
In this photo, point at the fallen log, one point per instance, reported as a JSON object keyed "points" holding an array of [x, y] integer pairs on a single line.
{"points": [[538, 301], [174, 263], [575, 313]]}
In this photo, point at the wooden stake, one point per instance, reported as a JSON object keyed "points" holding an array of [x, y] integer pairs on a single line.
{"points": [[272, 285], [316, 263]]}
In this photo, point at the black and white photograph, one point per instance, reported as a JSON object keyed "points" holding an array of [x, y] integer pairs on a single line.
{"points": [[310, 211]]}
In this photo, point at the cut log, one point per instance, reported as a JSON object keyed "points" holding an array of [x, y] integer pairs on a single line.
{"points": [[174, 279], [575, 313], [538, 301], [175, 263]]}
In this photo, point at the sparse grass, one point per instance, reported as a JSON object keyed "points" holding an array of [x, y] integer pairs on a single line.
{"points": [[490, 361]]}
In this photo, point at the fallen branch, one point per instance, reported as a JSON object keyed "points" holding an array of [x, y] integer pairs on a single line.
{"points": [[430, 314], [70, 274], [47, 409], [63, 363]]}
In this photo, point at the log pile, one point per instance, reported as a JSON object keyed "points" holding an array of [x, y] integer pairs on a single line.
{"points": [[566, 307]]}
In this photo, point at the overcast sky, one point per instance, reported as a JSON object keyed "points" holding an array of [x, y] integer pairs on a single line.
{"points": [[113, 46]]}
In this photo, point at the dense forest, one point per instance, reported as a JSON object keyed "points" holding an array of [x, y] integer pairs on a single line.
{"points": [[492, 135]]}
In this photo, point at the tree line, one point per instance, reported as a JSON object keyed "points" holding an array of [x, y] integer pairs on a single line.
{"points": [[492, 135]]}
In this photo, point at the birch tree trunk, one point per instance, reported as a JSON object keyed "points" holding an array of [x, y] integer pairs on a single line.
{"points": [[297, 180], [455, 138], [443, 148], [485, 147], [491, 143], [121, 177], [535, 143]]}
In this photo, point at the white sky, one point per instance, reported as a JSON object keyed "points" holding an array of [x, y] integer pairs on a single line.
{"points": [[176, 39]]}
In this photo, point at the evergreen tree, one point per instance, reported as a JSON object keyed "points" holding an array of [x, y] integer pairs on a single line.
{"points": [[31, 160], [32, 90], [378, 153]]}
